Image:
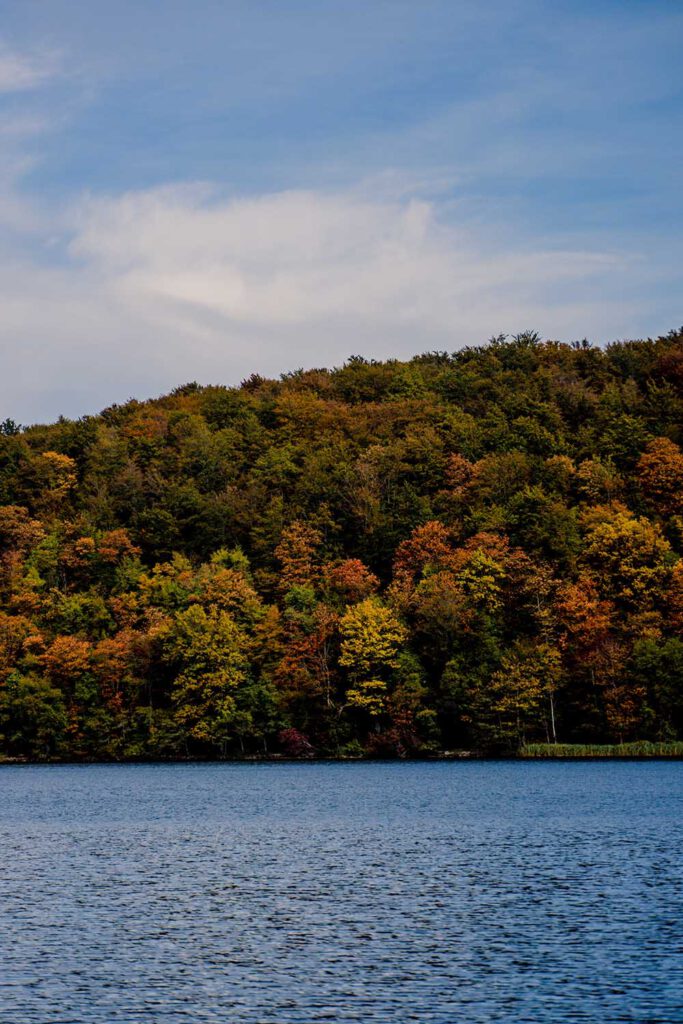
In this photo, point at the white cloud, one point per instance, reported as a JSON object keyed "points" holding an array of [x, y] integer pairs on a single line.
{"points": [[310, 259], [177, 283], [23, 71]]}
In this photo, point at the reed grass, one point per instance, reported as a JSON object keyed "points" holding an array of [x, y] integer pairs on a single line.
{"points": [[643, 748]]}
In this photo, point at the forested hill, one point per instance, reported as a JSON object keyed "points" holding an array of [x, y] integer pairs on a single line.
{"points": [[475, 550]]}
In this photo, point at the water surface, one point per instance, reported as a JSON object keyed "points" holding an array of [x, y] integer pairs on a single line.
{"points": [[297, 893]]}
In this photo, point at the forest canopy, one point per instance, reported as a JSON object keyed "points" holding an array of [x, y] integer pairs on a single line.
{"points": [[476, 550]]}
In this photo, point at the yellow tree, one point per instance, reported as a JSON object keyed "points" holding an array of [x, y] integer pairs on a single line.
{"points": [[630, 554], [371, 639], [522, 691], [57, 474]]}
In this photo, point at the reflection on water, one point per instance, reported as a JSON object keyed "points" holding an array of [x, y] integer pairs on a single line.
{"points": [[274, 894]]}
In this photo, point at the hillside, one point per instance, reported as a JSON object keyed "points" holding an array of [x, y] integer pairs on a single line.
{"points": [[474, 550]]}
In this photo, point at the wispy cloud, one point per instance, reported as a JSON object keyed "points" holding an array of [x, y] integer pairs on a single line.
{"points": [[177, 283], [21, 71], [310, 258], [383, 178]]}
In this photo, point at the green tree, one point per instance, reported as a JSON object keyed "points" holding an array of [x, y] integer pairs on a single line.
{"points": [[208, 652], [33, 718]]}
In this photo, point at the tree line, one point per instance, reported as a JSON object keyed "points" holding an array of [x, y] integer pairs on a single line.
{"points": [[473, 550]]}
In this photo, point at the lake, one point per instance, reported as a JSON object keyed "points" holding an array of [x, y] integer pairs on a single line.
{"points": [[370, 892]]}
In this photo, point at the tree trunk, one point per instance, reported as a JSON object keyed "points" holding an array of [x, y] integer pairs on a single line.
{"points": [[552, 716]]}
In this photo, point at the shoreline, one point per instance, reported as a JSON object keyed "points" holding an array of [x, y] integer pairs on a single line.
{"points": [[446, 757]]}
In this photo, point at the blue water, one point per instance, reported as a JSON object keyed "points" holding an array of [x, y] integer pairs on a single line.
{"points": [[274, 894]]}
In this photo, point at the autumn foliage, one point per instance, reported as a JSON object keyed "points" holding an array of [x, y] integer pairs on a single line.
{"points": [[477, 550]]}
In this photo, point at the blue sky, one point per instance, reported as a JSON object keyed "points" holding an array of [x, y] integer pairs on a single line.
{"points": [[199, 191]]}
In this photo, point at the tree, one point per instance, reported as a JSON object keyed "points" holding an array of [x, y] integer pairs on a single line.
{"points": [[388, 556], [629, 554], [229, 587], [33, 718], [656, 670], [8, 428], [674, 599], [349, 581], [57, 473], [427, 549], [14, 632], [660, 474], [598, 481], [585, 621], [66, 660], [369, 695], [522, 693], [297, 555], [19, 533], [371, 638], [208, 652], [442, 612]]}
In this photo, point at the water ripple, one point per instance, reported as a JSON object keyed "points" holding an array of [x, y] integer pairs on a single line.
{"points": [[292, 894]]}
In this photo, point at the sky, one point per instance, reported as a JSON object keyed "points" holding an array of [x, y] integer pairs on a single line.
{"points": [[199, 191]]}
